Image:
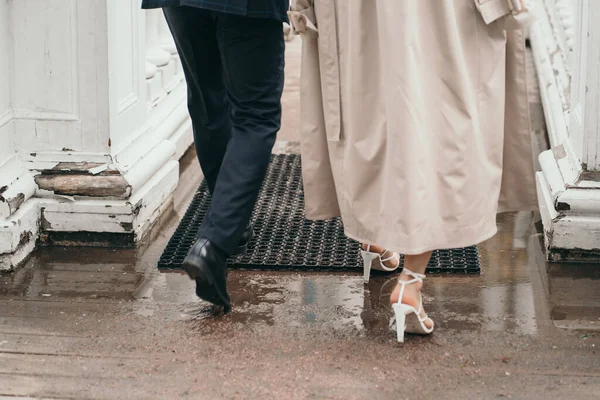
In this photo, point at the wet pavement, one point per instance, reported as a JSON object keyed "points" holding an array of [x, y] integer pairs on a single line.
{"points": [[105, 323], [99, 323]]}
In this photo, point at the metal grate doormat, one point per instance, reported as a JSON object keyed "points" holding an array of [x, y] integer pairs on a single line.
{"points": [[285, 240]]}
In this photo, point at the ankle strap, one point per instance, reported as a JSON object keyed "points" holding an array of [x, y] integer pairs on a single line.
{"points": [[418, 277]]}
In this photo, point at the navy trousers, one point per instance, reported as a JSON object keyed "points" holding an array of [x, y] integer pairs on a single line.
{"points": [[233, 67]]}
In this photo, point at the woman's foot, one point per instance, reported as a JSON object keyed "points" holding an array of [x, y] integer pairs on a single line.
{"points": [[388, 258], [411, 296]]}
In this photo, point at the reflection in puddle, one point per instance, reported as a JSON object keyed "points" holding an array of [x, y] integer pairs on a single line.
{"points": [[343, 304], [501, 299]]}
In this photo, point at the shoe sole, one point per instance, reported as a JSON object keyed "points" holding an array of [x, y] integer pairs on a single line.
{"points": [[206, 288]]}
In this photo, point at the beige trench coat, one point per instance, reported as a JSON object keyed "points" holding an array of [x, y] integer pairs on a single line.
{"points": [[414, 119]]}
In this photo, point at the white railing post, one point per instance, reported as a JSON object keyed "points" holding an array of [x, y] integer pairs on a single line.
{"points": [[566, 46]]}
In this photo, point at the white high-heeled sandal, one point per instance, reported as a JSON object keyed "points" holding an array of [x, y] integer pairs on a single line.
{"points": [[374, 260], [408, 318]]}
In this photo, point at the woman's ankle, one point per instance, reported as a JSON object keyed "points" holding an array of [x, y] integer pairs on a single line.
{"points": [[410, 295]]}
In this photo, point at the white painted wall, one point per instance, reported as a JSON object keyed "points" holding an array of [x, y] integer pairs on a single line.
{"points": [[6, 144], [60, 87], [127, 83]]}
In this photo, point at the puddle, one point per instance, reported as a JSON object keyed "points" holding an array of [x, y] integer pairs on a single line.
{"points": [[516, 292]]}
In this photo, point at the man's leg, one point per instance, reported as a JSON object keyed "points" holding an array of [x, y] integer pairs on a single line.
{"points": [[195, 33], [252, 54]]}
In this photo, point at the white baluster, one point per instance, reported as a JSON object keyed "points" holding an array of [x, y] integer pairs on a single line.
{"points": [[160, 54], [151, 70], [154, 53], [166, 39], [168, 44]]}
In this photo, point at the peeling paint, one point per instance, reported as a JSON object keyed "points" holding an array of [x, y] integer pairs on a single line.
{"points": [[562, 206], [136, 209], [559, 152], [80, 168], [574, 255], [16, 202], [44, 223], [25, 238], [3, 189], [99, 169], [549, 238], [127, 226]]}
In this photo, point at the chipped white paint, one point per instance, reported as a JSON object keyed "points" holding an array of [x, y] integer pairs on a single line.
{"points": [[566, 45], [18, 234], [96, 81]]}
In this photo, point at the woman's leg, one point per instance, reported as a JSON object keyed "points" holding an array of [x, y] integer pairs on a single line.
{"points": [[412, 293]]}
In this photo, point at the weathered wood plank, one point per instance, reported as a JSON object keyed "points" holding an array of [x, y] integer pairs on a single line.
{"points": [[85, 185]]}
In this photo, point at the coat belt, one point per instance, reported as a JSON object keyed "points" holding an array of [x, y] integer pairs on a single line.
{"points": [[518, 13]]}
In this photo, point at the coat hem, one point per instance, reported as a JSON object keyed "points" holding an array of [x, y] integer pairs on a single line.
{"points": [[466, 241]]}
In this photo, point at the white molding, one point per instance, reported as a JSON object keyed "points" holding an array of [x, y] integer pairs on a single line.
{"points": [[581, 201], [18, 235], [18, 192], [85, 222], [571, 219], [80, 205], [38, 161], [127, 102], [166, 118], [6, 117], [149, 164], [183, 138], [575, 233], [44, 115], [19, 186], [151, 199], [549, 60]]}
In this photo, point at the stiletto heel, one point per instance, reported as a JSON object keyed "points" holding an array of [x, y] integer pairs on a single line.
{"points": [[374, 260], [400, 313], [408, 318], [368, 258]]}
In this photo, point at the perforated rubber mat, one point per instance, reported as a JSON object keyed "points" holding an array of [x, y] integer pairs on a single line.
{"points": [[285, 240]]}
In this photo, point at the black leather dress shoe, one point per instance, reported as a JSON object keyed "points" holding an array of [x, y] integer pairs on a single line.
{"points": [[247, 236], [206, 264]]}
